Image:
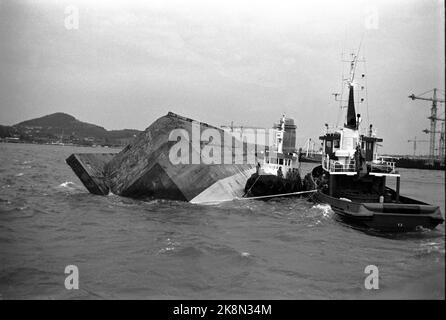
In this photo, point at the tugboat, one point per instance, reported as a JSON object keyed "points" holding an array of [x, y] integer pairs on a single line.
{"points": [[352, 179], [278, 173]]}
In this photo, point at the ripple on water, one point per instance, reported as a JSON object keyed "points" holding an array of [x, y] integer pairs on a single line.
{"points": [[69, 185], [431, 248]]}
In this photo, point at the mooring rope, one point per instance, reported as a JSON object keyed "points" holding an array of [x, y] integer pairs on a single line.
{"points": [[278, 195], [247, 192], [259, 197]]}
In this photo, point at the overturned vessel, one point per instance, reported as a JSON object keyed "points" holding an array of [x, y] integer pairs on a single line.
{"points": [[174, 158]]}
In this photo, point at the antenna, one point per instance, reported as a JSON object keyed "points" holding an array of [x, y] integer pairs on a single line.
{"points": [[356, 56], [353, 61]]}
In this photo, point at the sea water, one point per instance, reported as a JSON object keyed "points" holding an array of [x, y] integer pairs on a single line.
{"points": [[158, 249]]}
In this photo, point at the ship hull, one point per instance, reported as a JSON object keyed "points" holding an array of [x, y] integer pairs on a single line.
{"points": [[145, 168], [385, 217], [269, 185]]}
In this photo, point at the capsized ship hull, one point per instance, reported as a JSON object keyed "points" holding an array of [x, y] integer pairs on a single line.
{"points": [[144, 168]]}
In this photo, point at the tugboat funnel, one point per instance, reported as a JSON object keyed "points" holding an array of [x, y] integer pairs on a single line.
{"points": [[351, 113]]}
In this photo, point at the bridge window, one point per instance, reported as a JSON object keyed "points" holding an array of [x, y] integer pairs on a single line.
{"points": [[336, 143]]}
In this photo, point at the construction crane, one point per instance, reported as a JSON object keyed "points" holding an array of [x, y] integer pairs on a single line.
{"points": [[442, 145], [415, 144], [433, 118]]}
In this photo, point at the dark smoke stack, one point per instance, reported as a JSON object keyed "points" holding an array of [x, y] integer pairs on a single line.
{"points": [[351, 113]]}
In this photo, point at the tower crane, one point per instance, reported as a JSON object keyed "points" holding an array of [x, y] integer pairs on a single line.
{"points": [[433, 118], [442, 145], [415, 144]]}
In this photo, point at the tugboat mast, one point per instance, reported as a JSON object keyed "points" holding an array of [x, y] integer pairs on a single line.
{"points": [[349, 82], [351, 112]]}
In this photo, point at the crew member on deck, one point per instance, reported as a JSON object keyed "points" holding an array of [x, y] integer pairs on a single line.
{"points": [[359, 160], [289, 175], [279, 172]]}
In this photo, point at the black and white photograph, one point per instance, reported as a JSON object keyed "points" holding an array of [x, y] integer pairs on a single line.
{"points": [[233, 151]]}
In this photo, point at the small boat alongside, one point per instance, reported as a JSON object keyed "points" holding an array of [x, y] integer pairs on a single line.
{"points": [[278, 172], [310, 155], [352, 179]]}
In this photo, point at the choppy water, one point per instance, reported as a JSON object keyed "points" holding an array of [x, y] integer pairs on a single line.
{"points": [[280, 249]]}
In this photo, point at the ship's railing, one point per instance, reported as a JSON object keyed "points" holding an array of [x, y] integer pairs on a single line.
{"points": [[334, 166], [270, 166], [382, 165], [311, 153]]}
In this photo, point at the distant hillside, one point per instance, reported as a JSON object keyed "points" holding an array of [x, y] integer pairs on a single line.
{"points": [[62, 127], [55, 119], [62, 123]]}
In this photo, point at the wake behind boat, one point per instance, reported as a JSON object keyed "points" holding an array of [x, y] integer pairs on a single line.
{"points": [[352, 179]]}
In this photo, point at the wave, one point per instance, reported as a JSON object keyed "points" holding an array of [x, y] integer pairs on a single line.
{"points": [[431, 247], [68, 184], [325, 208]]}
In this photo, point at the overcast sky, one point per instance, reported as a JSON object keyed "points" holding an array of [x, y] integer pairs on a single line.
{"points": [[130, 62]]}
